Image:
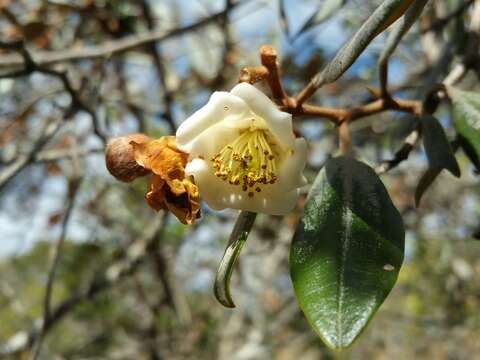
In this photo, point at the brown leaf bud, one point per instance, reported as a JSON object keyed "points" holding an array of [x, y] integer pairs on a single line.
{"points": [[120, 159]]}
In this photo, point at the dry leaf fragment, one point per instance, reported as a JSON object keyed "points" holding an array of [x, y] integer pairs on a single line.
{"points": [[170, 188]]}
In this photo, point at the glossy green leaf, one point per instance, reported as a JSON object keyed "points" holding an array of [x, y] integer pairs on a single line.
{"points": [[466, 113], [438, 149], [347, 250], [235, 244]]}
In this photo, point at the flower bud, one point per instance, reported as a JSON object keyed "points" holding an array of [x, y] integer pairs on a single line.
{"points": [[120, 159]]}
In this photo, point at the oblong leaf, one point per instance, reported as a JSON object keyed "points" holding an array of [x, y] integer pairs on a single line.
{"points": [[238, 237], [438, 149], [382, 17], [401, 27], [466, 114], [432, 173], [425, 182], [347, 250]]}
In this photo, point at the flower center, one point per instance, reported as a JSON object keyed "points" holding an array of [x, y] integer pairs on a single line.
{"points": [[248, 161]]}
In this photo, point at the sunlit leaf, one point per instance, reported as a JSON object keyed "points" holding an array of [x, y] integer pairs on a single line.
{"points": [[347, 250], [466, 113], [382, 17]]}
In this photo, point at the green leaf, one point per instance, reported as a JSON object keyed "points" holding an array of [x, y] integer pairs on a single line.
{"points": [[235, 244], [382, 17], [466, 114], [439, 152], [470, 152], [401, 28], [426, 180], [347, 250]]}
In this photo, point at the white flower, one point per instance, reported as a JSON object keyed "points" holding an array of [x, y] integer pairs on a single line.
{"points": [[243, 152]]}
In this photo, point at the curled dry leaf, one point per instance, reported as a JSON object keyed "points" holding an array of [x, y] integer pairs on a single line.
{"points": [[170, 189]]}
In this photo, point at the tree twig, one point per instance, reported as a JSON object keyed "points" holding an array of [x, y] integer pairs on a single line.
{"points": [[402, 154], [23, 161], [111, 48], [114, 273], [30, 66], [269, 71], [156, 54], [55, 256]]}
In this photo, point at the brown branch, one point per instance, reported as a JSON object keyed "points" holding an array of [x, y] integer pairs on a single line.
{"points": [[402, 154], [344, 138], [253, 74], [270, 72], [62, 153], [114, 273], [268, 56], [174, 295], [429, 105], [155, 51], [55, 260], [30, 66], [24, 160], [339, 115], [114, 47], [305, 93]]}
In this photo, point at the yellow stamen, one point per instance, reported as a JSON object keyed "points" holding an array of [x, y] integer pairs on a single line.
{"points": [[248, 161]]}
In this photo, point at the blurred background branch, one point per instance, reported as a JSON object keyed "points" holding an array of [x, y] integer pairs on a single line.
{"points": [[124, 282]]}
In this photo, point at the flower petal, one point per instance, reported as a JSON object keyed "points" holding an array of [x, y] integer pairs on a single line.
{"points": [[221, 106], [210, 141], [218, 194], [278, 122], [290, 174]]}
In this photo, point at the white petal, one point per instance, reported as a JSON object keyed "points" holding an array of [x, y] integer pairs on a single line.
{"points": [[279, 122], [221, 106], [290, 174], [219, 194], [212, 190], [212, 140]]}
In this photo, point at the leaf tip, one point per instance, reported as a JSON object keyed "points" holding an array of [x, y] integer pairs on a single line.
{"points": [[224, 299]]}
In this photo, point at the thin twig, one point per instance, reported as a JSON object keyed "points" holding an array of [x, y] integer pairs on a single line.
{"points": [[268, 56], [402, 154], [440, 23], [270, 72], [23, 161], [30, 66], [62, 153], [160, 68], [55, 256], [111, 48], [114, 273]]}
